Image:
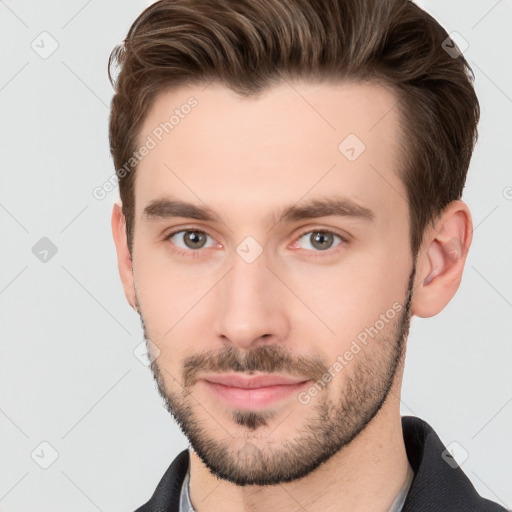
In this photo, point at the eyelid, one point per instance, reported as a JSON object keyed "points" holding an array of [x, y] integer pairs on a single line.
{"points": [[344, 238], [185, 229]]}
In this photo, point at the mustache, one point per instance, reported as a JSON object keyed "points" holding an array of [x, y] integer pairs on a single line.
{"points": [[266, 359]]}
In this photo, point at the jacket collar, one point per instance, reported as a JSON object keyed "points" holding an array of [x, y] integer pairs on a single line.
{"points": [[437, 485]]}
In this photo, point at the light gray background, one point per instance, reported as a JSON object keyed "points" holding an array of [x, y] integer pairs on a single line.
{"points": [[68, 375]]}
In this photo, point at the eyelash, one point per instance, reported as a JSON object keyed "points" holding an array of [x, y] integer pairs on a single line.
{"points": [[196, 253]]}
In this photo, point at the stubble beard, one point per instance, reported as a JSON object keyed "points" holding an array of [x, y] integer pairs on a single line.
{"points": [[246, 459]]}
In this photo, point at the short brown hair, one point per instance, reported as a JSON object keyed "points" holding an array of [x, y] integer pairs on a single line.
{"points": [[249, 45]]}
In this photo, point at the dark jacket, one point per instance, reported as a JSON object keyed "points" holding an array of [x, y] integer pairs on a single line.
{"points": [[437, 485]]}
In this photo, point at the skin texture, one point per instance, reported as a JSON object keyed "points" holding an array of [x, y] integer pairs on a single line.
{"points": [[299, 305]]}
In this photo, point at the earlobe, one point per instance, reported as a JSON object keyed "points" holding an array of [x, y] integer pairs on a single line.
{"points": [[441, 260], [124, 259]]}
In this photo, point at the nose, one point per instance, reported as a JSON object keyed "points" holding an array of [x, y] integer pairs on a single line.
{"points": [[251, 305]]}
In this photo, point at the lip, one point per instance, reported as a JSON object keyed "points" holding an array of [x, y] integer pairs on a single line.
{"points": [[252, 381], [252, 392]]}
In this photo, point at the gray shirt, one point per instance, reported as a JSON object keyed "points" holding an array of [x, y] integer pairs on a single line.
{"points": [[396, 506]]}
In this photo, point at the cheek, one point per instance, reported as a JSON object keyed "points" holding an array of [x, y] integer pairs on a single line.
{"points": [[160, 296], [172, 298], [351, 297]]}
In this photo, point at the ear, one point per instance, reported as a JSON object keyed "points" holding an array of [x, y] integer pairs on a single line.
{"points": [[124, 260], [441, 260]]}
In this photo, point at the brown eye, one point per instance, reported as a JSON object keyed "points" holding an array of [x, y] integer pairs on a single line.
{"points": [[189, 239]]}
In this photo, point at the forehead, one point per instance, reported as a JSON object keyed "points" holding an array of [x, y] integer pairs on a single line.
{"points": [[213, 146]]}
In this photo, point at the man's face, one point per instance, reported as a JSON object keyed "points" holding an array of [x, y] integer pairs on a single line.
{"points": [[317, 295]]}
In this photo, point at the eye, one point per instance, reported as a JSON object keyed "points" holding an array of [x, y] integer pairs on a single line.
{"points": [[321, 240], [189, 240]]}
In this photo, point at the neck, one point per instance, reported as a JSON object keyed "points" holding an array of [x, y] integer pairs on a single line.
{"points": [[365, 475]]}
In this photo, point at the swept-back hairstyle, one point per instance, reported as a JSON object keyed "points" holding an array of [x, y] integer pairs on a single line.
{"points": [[250, 45]]}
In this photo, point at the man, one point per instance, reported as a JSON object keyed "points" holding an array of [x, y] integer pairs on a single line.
{"points": [[290, 176]]}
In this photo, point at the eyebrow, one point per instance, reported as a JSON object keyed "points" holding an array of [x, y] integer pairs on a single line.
{"points": [[322, 207]]}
